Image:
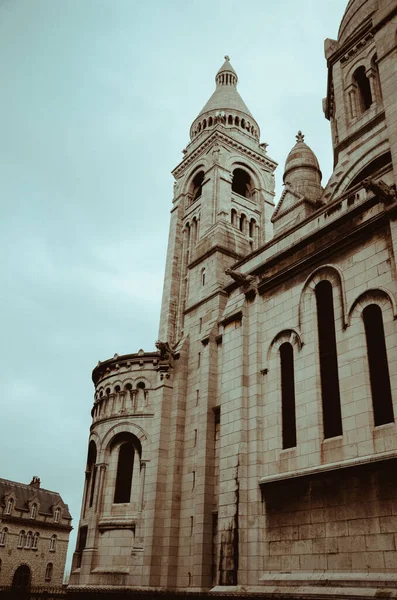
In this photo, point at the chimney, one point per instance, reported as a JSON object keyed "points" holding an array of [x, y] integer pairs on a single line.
{"points": [[35, 481]]}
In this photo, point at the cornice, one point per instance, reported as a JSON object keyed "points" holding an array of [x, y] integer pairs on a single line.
{"points": [[217, 136]]}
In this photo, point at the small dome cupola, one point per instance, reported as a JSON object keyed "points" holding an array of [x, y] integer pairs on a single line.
{"points": [[302, 171], [225, 107], [226, 74]]}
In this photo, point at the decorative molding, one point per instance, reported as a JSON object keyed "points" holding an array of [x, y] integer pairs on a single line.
{"points": [[212, 140]]}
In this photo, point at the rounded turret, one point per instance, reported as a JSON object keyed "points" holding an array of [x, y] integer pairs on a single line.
{"points": [[302, 171]]}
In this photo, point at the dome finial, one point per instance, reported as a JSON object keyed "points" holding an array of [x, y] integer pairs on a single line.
{"points": [[227, 58], [300, 137]]}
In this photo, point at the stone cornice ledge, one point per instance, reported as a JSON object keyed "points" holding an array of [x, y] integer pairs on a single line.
{"points": [[318, 470], [117, 523]]}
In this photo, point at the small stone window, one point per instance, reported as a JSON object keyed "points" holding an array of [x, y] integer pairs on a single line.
{"points": [[28, 542], [57, 515], [21, 539], [35, 541], [203, 276], [9, 506], [48, 572], [3, 536], [33, 511], [53, 542]]}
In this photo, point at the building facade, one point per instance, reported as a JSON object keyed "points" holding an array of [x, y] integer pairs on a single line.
{"points": [[255, 450], [34, 532]]}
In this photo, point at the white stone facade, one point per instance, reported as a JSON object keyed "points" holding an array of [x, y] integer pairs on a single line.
{"points": [[263, 431]]}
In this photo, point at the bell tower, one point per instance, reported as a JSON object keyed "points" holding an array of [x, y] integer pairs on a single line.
{"points": [[223, 201]]}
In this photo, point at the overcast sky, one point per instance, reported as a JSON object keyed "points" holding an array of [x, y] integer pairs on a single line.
{"points": [[97, 97]]}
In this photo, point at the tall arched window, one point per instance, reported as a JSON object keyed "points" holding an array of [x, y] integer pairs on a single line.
{"points": [[243, 220], [28, 542], [91, 473], [197, 185], [242, 183], [3, 536], [21, 539], [33, 511], [48, 572], [378, 365], [35, 541], [332, 416], [57, 515], [53, 542], [363, 89], [203, 276], [233, 217], [125, 468], [9, 506], [288, 395]]}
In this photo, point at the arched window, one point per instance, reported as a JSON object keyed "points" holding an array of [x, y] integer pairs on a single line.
{"points": [[53, 542], [57, 515], [332, 416], [230, 120], [125, 468], [28, 542], [252, 224], [378, 365], [242, 183], [3, 536], [35, 541], [363, 89], [288, 395], [91, 473], [243, 123], [48, 572], [197, 185], [237, 121], [204, 123], [33, 511], [10, 503], [210, 122], [233, 217], [21, 539], [21, 577], [243, 219], [203, 276]]}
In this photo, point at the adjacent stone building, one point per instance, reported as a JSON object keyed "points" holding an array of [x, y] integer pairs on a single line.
{"points": [[34, 532], [256, 449]]}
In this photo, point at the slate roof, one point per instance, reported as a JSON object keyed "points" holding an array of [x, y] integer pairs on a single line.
{"points": [[23, 493]]}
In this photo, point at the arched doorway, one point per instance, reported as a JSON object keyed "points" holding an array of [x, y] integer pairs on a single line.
{"points": [[21, 577]]}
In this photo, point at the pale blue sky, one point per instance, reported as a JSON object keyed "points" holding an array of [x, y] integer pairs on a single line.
{"points": [[97, 97]]}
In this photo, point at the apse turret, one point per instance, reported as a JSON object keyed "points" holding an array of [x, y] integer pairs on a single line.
{"points": [[225, 107], [302, 171]]}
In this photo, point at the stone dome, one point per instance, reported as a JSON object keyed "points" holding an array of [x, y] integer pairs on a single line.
{"points": [[302, 171], [356, 13], [226, 102]]}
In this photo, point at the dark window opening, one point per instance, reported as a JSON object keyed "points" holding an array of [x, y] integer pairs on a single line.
{"points": [[21, 577], [364, 89], [378, 365], [241, 183], [288, 395], [242, 223], [140, 385], [252, 224], [197, 185], [332, 416], [125, 467]]}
